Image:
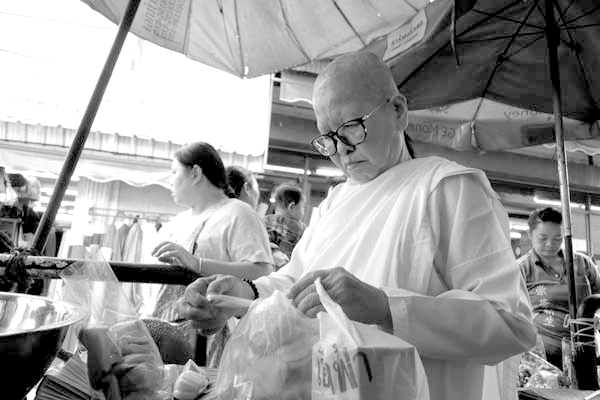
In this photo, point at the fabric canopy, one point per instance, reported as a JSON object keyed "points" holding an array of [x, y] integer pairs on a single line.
{"points": [[106, 157]]}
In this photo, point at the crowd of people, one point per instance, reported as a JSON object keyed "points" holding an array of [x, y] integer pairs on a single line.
{"points": [[417, 246]]}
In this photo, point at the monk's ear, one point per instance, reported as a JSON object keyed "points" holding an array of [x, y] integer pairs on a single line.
{"points": [[401, 107]]}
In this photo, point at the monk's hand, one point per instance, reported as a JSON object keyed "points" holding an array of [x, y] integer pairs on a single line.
{"points": [[175, 254], [361, 302], [195, 306]]}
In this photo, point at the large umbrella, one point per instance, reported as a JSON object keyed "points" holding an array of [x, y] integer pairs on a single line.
{"points": [[256, 37], [252, 38], [539, 55]]}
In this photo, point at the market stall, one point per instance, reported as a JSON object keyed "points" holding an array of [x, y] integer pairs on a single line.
{"points": [[40, 266]]}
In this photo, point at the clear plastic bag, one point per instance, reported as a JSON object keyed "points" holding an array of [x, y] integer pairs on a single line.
{"points": [[269, 355], [123, 359]]}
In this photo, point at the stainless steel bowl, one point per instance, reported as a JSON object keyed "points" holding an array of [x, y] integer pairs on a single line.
{"points": [[32, 329]]}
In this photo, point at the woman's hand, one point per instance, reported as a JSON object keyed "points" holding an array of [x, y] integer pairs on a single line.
{"points": [[172, 253], [361, 302], [205, 316]]}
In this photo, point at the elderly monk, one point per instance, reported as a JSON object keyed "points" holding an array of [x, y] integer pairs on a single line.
{"points": [[419, 247]]}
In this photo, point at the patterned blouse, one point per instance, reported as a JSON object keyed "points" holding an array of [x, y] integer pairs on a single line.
{"points": [[284, 231], [549, 292]]}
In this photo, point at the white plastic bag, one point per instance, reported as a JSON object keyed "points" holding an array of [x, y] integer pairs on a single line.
{"points": [[355, 361], [269, 354]]}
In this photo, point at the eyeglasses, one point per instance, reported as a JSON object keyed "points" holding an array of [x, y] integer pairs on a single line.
{"points": [[351, 133]]}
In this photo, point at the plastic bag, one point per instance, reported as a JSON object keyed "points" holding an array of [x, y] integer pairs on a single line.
{"points": [[536, 372], [358, 361], [123, 360], [269, 355], [191, 383]]}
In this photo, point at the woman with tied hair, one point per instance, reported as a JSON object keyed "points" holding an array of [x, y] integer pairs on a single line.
{"points": [[215, 235], [243, 185]]}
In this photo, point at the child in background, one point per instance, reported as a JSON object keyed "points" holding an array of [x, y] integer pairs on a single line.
{"points": [[285, 226]]}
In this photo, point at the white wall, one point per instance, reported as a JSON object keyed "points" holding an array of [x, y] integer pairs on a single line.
{"points": [[152, 199]]}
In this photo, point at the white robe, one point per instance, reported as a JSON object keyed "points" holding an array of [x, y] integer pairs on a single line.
{"points": [[434, 236]]}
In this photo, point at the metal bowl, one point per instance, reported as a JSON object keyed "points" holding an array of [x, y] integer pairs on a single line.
{"points": [[32, 329]]}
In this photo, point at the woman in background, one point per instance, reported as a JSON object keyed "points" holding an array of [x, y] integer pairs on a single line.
{"points": [[215, 235], [244, 185]]}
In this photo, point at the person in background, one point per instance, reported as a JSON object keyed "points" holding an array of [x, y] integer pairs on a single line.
{"points": [[30, 219], [418, 246], [544, 270], [244, 185], [215, 235], [285, 226]]}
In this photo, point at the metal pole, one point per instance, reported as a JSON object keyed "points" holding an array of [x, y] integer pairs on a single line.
{"points": [[41, 233], [576, 368], [588, 225], [39, 267], [588, 218], [552, 35]]}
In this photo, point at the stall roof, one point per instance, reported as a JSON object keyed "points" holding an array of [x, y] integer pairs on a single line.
{"points": [[138, 161]]}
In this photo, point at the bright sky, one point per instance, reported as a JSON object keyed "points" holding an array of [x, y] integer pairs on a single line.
{"points": [[52, 52]]}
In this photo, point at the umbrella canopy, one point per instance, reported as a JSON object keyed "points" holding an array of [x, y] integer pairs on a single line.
{"points": [[251, 38], [499, 52]]}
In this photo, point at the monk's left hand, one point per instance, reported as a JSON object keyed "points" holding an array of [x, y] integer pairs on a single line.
{"points": [[175, 254], [361, 302]]}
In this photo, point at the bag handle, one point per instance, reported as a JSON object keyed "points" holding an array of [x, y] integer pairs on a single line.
{"points": [[337, 314]]}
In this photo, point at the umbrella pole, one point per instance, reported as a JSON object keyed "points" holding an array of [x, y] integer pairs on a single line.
{"points": [[552, 35], [41, 233]]}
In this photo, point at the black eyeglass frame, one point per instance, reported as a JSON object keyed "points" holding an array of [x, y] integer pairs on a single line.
{"points": [[334, 136]]}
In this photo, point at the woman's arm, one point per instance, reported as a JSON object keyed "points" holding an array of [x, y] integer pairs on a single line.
{"points": [[240, 269]]}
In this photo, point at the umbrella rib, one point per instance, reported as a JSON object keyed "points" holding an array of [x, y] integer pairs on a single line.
{"points": [[499, 37], [585, 14], [541, 28], [291, 32], [569, 6], [566, 43], [502, 57], [348, 22], [186, 41], [467, 30], [525, 46], [572, 27], [220, 6], [575, 46], [239, 36]]}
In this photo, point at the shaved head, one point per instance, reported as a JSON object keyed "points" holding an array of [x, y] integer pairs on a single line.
{"points": [[361, 75]]}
